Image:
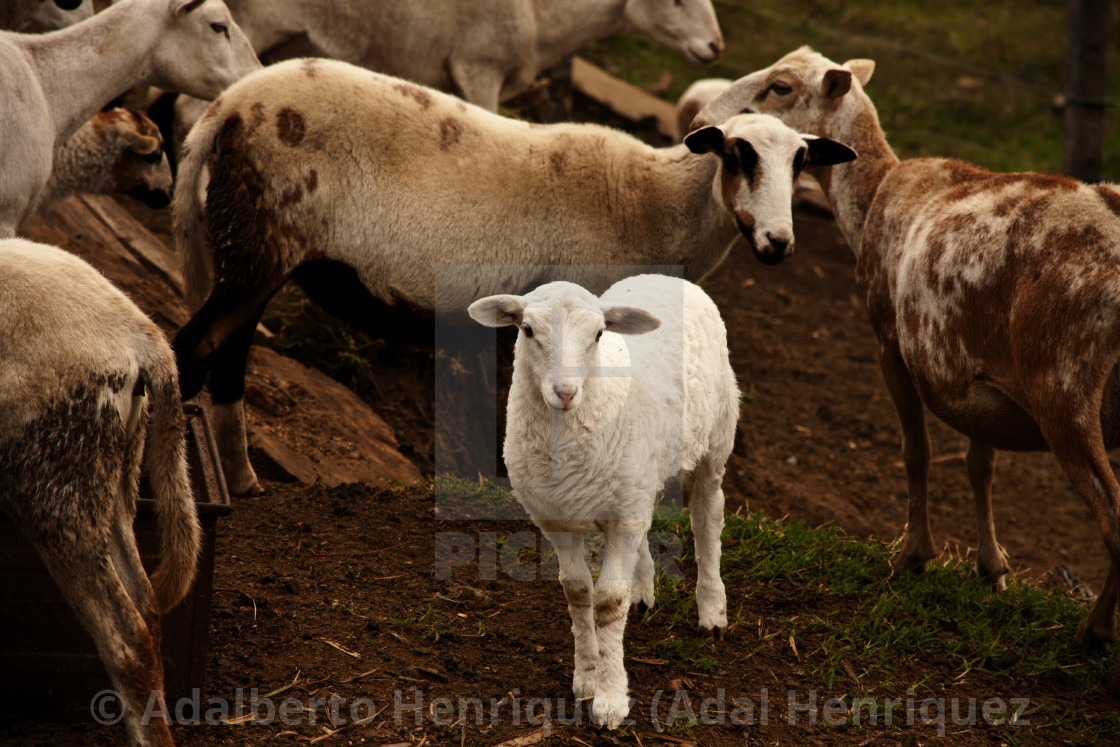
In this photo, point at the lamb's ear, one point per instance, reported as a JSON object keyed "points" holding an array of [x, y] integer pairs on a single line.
{"points": [[705, 140], [141, 145], [497, 311], [182, 7], [862, 69], [630, 320], [825, 152]]}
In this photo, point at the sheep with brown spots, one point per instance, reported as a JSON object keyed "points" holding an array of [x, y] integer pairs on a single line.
{"points": [[53, 83], [995, 298], [360, 185], [88, 392], [119, 150]]}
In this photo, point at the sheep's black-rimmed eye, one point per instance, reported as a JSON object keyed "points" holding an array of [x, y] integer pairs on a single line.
{"points": [[220, 28], [780, 88], [599, 336], [527, 330], [154, 157]]}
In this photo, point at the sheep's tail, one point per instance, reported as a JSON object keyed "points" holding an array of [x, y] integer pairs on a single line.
{"points": [[165, 460], [187, 208]]}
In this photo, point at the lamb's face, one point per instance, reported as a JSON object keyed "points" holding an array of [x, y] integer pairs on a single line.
{"points": [[561, 329], [688, 26], [760, 160], [561, 347]]}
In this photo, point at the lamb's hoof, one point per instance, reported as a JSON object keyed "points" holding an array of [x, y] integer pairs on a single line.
{"points": [[640, 607], [250, 490], [717, 633], [642, 597], [610, 711], [584, 684]]}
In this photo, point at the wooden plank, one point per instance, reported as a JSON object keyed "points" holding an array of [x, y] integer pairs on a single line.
{"points": [[622, 98], [135, 237]]}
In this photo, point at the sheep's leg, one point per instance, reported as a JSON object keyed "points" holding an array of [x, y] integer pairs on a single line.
{"points": [[642, 593], [1078, 444], [478, 84], [575, 577], [707, 525], [612, 596], [124, 641], [218, 338], [991, 560], [917, 548]]}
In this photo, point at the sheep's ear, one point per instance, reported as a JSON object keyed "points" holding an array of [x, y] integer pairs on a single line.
{"points": [[862, 69], [141, 145], [825, 152], [497, 311], [182, 7], [705, 140], [630, 320], [836, 83]]}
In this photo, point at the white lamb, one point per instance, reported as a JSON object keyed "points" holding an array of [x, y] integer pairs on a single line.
{"points": [[297, 189], [119, 150], [51, 84], [596, 424]]}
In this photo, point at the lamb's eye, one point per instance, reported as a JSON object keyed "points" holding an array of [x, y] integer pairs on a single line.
{"points": [[528, 330], [780, 88], [598, 336], [220, 28]]}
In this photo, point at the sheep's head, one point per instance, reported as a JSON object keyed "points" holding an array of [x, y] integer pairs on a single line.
{"points": [[141, 168], [562, 328], [804, 89], [688, 26], [202, 51], [760, 159]]}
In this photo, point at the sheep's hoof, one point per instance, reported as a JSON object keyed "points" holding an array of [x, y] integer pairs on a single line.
{"points": [[908, 564], [584, 684], [640, 607], [610, 711], [997, 581], [1094, 635]]}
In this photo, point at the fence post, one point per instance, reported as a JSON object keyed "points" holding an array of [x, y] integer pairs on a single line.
{"points": [[1085, 88]]}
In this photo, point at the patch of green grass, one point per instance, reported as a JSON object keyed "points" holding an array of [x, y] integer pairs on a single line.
{"points": [[464, 498], [960, 79]]}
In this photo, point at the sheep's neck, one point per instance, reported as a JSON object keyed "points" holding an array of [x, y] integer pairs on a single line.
{"points": [[83, 67], [564, 28], [852, 186]]}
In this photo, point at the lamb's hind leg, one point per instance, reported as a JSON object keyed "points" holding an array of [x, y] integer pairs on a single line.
{"points": [[991, 561], [218, 339], [917, 547], [707, 524]]}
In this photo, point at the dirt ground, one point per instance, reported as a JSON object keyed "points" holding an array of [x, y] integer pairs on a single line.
{"points": [[334, 590]]}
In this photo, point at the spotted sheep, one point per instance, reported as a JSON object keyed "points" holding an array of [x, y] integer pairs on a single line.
{"points": [[118, 151], [317, 165], [995, 299], [88, 392], [55, 82], [612, 396]]}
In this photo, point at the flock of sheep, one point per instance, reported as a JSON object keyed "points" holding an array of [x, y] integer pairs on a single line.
{"points": [[995, 297]]}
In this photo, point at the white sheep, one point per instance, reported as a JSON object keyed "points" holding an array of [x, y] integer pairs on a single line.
{"points": [[86, 380], [428, 181], [487, 51], [995, 298], [119, 150], [595, 426], [55, 82]]}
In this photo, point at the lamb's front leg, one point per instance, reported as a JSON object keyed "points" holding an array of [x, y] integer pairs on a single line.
{"points": [[612, 599], [576, 579]]}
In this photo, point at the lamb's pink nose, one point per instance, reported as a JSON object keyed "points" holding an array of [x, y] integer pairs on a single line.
{"points": [[565, 393]]}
